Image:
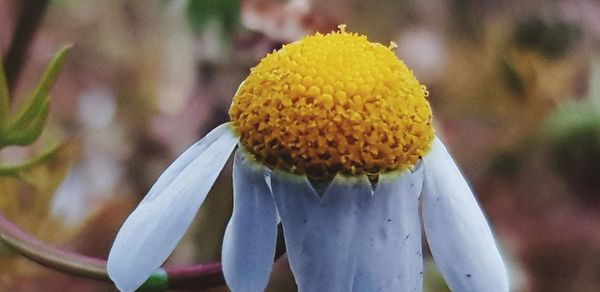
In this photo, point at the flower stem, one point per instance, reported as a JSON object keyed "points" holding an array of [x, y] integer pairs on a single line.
{"points": [[37, 251], [189, 277]]}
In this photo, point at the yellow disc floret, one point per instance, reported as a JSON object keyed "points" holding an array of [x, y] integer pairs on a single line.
{"points": [[330, 104]]}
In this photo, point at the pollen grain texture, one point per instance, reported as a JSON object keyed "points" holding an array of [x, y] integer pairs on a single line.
{"points": [[330, 104]]}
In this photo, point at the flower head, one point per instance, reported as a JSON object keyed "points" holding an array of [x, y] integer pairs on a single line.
{"points": [[330, 104], [342, 111]]}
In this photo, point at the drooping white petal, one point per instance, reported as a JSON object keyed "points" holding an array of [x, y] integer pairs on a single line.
{"points": [[321, 234], [153, 229], [350, 240], [459, 236], [251, 235], [175, 169], [391, 258]]}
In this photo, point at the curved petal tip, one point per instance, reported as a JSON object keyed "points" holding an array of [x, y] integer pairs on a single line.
{"points": [[153, 229], [459, 236], [250, 237]]}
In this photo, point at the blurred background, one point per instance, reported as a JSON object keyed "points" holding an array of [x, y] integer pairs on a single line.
{"points": [[514, 87]]}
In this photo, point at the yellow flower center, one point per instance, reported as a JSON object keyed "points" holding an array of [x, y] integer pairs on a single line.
{"points": [[330, 104]]}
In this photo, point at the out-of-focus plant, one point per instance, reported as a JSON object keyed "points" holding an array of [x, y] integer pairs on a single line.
{"points": [[551, 39], [534, 38], [27, 125], [573, 133], [514, 80], [467, 19], [435, 282], [573, 136], [225, 12]]}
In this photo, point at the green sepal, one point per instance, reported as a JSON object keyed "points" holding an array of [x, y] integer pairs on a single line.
{"points": [[156, 283], [38, 99]]}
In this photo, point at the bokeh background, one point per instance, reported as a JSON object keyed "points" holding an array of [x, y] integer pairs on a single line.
{"points": [[514, 87]]}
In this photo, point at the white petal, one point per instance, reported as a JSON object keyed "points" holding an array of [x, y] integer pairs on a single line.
{"points": [[251, 235], [349, 240], [186, 158], [321, 235], [458, 234], [390, 258], [153, 229]]}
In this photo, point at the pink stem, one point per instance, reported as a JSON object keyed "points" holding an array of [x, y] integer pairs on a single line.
{"points": [[198, 276]]}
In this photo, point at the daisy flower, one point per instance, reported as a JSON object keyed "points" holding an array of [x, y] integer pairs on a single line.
{"points": [[332, 137]]}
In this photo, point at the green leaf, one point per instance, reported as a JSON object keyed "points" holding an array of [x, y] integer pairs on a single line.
{"points": [[14, 170], [32, 131], [38, 99], [156, 283]]}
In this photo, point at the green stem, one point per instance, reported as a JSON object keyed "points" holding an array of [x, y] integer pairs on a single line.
{"points": [[13, 170]]}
